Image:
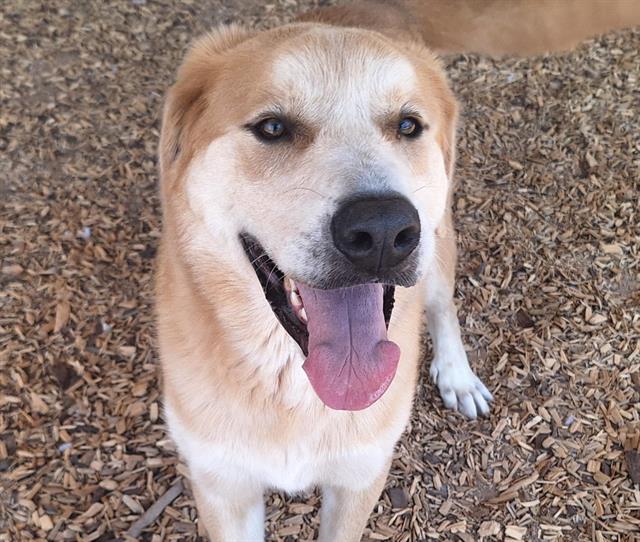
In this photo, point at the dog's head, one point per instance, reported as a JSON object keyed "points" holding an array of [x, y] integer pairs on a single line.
{"points": [[325, 155]]}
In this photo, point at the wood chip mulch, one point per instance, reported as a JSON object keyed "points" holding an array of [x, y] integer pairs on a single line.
{"points": [[549, 286]]}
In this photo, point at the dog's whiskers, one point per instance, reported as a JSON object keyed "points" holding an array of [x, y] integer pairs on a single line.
{"points": [[440, 262], [307, 189], [426, 185], [258, 258], [271, 273]]}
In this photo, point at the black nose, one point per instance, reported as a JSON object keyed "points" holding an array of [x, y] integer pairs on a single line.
{"points": [[376, 234]]}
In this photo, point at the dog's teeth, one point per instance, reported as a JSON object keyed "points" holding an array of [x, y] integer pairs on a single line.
{"points": [[290, 285], [303, 316], [295, 299]]}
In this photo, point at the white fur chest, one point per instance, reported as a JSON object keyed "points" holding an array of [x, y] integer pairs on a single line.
{"points": [[300, 464]]}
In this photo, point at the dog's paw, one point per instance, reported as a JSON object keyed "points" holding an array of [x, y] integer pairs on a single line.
{"points": [[459, 387]]}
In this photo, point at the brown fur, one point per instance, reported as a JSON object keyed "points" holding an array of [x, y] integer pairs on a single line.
{"points": [[494, 27], [204, 302]]}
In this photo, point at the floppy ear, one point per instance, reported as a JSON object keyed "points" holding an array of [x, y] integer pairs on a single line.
{"points": [[182, 105], [447, 132], [186, 100]]}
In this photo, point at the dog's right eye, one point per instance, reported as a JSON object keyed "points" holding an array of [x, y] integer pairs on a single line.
{"points": [[270, 129]]}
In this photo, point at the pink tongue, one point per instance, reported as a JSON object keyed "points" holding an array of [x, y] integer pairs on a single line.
{"points": [[350, 363]]}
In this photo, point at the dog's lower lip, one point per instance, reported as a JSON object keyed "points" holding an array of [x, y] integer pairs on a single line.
{"points": [[277, 289]]}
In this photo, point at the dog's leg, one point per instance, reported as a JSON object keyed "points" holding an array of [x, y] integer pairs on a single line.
{"points": [[459, 387], [345, 512], [232, 514]]}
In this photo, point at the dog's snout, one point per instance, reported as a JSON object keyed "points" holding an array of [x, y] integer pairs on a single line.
{"points": [[376, 234]]}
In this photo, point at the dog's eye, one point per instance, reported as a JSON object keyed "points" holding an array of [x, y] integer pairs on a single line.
{"points": [[270, 129], [409, 127]]}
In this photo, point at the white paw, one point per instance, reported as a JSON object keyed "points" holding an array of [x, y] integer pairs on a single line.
{"points": [[459, 387]]}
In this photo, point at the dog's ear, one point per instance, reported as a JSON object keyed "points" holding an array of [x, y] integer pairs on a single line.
{"points": [[447, 131], [186, 99]]}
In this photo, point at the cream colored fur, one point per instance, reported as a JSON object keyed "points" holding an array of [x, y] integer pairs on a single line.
{"points": [[237, 402]]}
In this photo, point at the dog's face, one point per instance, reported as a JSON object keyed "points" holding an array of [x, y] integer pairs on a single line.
{"points": [[325, 153]]}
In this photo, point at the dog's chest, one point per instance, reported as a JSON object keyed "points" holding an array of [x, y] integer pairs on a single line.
{"points": [[304, 461]]}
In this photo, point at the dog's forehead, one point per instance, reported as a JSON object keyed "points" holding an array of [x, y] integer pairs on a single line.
{"points": [[331, 67]]}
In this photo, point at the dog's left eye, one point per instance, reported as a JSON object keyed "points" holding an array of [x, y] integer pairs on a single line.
{"points": [[409, 127], [270, 129]]}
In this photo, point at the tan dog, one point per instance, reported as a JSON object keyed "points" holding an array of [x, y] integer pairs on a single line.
{"points": [[307, 175]]}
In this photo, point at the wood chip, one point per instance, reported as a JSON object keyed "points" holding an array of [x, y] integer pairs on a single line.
{"points": [[633, 464], [154, 511], [398, 497], [489, 528], [514, 532]]}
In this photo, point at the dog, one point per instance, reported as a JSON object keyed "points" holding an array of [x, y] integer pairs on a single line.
{"points": [[307, 174]]}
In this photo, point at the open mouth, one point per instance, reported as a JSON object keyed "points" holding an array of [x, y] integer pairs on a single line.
{"points": [[343, 332]]}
